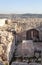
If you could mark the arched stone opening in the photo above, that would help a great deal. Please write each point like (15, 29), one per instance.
(32, 34)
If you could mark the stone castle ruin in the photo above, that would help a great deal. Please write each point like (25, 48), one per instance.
(16, 37)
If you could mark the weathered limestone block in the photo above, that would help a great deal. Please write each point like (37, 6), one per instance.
(19, 63)
(7, 45)
(27, 48)
(10, 50)
(34, 64)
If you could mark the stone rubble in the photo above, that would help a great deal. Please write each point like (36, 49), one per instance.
(23, 63)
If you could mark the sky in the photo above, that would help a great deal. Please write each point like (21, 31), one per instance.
(21, 6)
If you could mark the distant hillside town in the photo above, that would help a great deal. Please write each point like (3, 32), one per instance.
(27, 15)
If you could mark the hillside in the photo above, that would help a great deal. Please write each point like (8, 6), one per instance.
(21, 15)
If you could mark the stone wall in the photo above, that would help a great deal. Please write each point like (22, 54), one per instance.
(7, 45)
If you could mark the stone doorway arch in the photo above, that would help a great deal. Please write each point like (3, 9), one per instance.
(32, 34)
